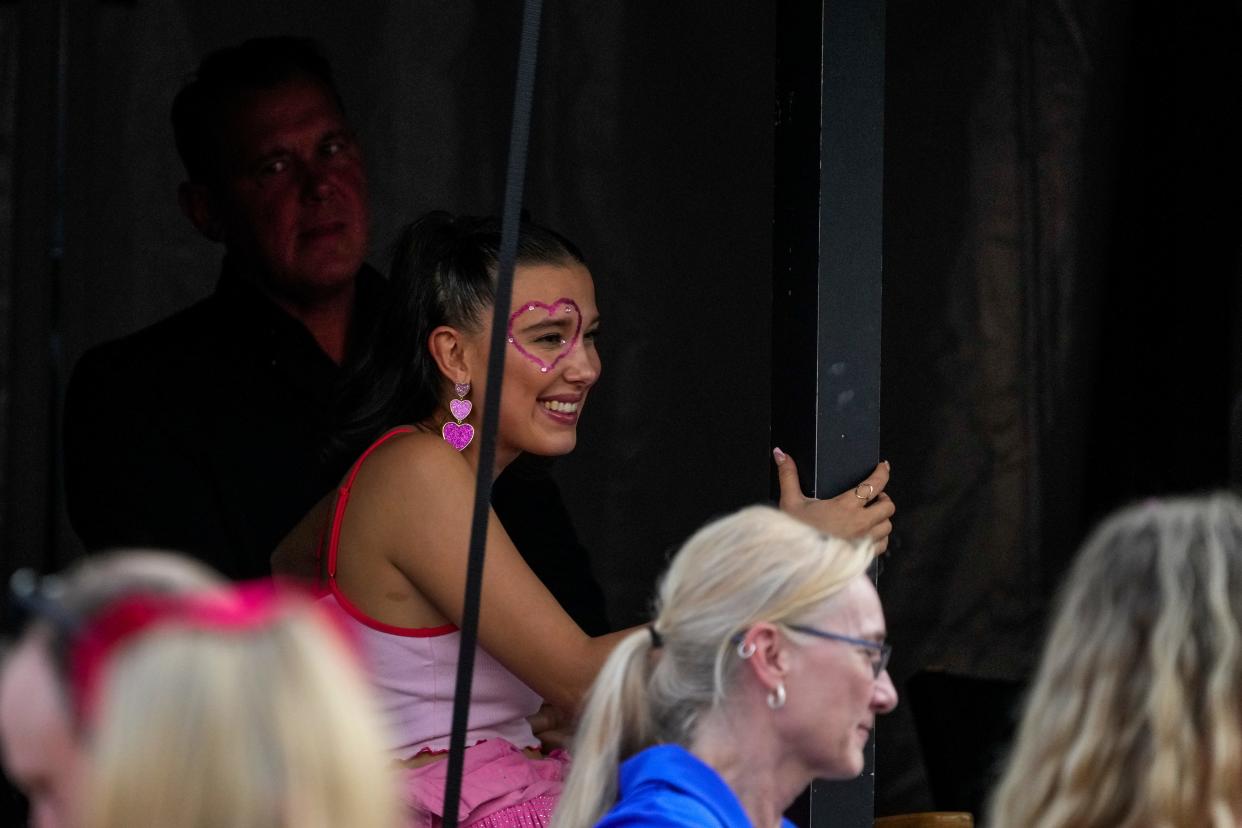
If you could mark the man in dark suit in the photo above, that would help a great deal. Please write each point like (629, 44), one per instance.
(202, 432)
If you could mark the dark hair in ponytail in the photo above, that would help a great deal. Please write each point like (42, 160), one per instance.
(443, 273)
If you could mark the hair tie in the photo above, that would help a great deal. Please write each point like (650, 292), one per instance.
(656, 641)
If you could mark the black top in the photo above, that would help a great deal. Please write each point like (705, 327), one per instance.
(528, 503)
(205, 433)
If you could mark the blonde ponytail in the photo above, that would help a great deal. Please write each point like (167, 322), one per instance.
(756, 564)
(615, 722)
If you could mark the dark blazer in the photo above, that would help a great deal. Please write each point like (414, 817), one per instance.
(204, 432)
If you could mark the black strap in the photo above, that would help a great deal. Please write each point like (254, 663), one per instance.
(519, 135)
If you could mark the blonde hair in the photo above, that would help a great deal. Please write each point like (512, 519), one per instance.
(755, 565)
(250, 728)
(1133, 719)
(98, 580)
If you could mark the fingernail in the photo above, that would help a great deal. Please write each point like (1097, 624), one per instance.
(888, 465)
(778, 456)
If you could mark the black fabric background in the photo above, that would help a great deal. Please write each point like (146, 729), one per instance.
(1061, 247)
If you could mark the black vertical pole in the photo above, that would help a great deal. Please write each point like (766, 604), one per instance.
(510, 218)
(827, 276)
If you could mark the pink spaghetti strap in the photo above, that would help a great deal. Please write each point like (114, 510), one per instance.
(333, 537)
(342, 500)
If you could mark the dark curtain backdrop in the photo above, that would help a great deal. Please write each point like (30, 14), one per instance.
(9, 29)
(1061, 247)
(1060, 328)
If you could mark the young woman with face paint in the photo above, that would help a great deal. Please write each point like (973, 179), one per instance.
(394, 560)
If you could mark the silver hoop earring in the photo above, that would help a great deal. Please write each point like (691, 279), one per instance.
(745, 650)
(776, 698)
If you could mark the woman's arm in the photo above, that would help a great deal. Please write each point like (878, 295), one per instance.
(423, 492)
(297, 555)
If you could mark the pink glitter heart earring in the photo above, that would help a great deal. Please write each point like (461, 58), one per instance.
(459, 434)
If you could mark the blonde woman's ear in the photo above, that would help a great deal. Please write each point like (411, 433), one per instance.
(769, 659)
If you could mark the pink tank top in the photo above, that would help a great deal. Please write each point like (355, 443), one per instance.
(414, 669)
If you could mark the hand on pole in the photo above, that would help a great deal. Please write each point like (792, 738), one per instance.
(863, 511)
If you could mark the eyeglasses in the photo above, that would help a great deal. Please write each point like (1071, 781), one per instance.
(879, 661)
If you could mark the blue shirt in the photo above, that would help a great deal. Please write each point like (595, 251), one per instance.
(668, 787)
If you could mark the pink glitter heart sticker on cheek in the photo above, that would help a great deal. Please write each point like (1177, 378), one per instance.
(461, 408)
(535, 321)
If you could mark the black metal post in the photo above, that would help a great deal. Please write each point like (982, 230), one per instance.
(827, 275)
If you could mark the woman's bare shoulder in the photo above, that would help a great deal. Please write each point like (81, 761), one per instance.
(414, 457)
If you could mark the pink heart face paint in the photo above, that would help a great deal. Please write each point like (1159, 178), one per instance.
(551, 362)
(545, 334)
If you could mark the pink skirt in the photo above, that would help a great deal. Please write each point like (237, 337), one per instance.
(501, 787)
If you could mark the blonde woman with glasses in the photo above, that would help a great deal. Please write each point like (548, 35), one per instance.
(765, 667)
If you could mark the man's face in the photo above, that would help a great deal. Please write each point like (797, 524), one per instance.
(41, 756)
(292, 197)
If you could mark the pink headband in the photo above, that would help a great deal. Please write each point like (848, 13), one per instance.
(237, 609)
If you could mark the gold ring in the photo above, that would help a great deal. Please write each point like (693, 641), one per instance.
(870, 491)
